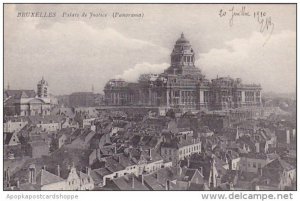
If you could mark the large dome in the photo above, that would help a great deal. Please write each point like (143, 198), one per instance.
(182, 39)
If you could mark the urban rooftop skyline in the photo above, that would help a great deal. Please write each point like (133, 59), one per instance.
(74, 54)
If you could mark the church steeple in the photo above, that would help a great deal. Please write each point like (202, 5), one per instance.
(42, 88)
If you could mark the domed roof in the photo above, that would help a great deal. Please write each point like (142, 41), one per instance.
(182, 39)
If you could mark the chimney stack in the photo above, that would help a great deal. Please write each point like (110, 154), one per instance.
(58, 170)
(257, 147)
(143, 179)
(132, 182)
(88, 171)
(98, 154)
(7, 174)
(32, 174)
(150, 154)
(260, 171)
(231, 186)
(288, 137)
(93, 128)
(179, 170)
(167, 185)
(201, 170)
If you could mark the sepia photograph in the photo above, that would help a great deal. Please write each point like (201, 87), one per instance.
(149, 97)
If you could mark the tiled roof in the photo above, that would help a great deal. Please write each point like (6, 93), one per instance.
(279, 164)
(129, 182)
(7, 138)
(45, 119)
(15, 119)
(44, 177)
(17, 94)
(113, 165)
(254, 155)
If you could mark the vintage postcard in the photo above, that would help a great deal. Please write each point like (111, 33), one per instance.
(149, 97)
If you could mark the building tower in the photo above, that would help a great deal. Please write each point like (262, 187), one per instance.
(42, 89)
(182, 54)
(183, 59)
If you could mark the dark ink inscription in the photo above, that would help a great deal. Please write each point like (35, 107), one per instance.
(266, 25)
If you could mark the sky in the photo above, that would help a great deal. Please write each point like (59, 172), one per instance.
(75, 53)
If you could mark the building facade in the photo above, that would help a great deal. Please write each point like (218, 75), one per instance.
(27, 102)
(183, 86)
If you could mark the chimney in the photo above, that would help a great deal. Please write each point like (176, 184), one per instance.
(98, 154)
(32, 174)
(260, 171)
(150, 154)
(188, 162)
(44, 167)
(288, 137)
(218, 181)
(115, 149)
(18, 184)
(201, 170)
(93, 128)
(7, 175)
(230, 164)
(132, 182)
(167, 185)
(231, 186)
(294, 133)
(58, 170)
(179, 171)
(143, 179)
(257, 147)
(88, 171)
(244, 147)
(156, 175)
(237, 133)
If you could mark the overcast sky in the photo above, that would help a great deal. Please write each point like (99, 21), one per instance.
(75, 53)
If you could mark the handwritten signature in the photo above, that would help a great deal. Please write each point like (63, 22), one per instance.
(261, 17)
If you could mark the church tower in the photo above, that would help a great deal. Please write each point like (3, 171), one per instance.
(42, 88)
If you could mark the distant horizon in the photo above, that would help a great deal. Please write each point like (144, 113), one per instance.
(74, 54)
(97, 92)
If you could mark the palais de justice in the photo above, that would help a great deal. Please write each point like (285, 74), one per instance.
(183, 86)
